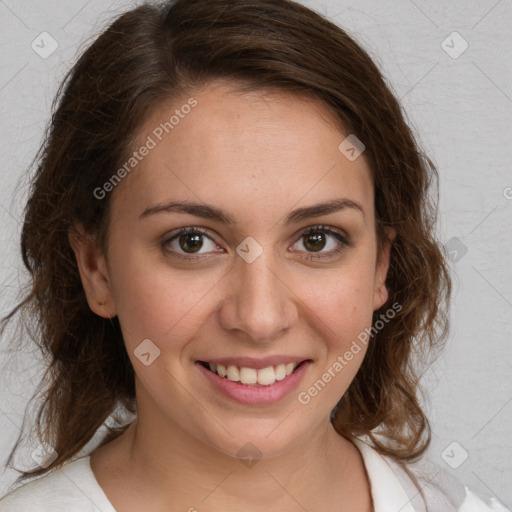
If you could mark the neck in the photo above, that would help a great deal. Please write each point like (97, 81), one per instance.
(171, 466)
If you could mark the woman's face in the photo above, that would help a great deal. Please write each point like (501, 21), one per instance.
(246, 282)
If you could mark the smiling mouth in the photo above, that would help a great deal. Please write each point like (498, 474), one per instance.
(252, 376)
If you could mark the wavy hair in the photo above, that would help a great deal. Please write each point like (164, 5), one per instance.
(148, 56)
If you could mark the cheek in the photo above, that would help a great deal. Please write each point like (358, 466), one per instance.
(341, 306)
(342, 298)
(342, 316)
(156, 302)
(163, 303)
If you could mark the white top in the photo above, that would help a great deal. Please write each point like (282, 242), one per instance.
(74, 488)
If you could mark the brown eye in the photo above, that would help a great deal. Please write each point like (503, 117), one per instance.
(190, 242)
(315, 241)
(317, 238)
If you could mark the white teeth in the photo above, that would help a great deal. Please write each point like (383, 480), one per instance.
(221, 370)
(290, 367)
(251, 376)
(266, 376)
(280, 371)
(248, 375)
(233, 373)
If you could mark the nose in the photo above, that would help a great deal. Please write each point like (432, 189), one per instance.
(259, 302)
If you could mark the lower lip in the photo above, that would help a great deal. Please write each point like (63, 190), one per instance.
(254, 395)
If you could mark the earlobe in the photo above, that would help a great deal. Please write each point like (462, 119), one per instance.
(381, 293)
(93, 272)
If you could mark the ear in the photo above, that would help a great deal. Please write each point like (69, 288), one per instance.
(380, 294)
(93, 271)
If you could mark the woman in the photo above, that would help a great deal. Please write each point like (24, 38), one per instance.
(230, 237)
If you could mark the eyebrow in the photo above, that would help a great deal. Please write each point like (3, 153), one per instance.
(211, 212)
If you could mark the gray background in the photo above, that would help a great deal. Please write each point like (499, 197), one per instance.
(460, 104)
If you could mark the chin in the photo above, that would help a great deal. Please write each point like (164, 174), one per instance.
(267, 440)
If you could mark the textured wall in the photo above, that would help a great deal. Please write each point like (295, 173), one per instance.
(447, 62)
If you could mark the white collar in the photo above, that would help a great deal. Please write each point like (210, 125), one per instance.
(388, 493)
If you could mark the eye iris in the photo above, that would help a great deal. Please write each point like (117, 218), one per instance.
(318, 241)
(191, 242)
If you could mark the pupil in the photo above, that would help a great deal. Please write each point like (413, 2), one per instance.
(319, 241)
(191, 242)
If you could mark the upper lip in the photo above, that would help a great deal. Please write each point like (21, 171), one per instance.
(251, 362)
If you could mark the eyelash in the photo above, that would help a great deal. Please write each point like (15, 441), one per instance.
(344, 242)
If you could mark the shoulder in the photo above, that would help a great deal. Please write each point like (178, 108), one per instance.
(71, 487)
(397, 487)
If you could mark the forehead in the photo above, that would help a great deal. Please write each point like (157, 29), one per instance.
(265, 149)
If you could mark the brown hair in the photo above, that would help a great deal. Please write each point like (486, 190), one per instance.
(153, 54)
